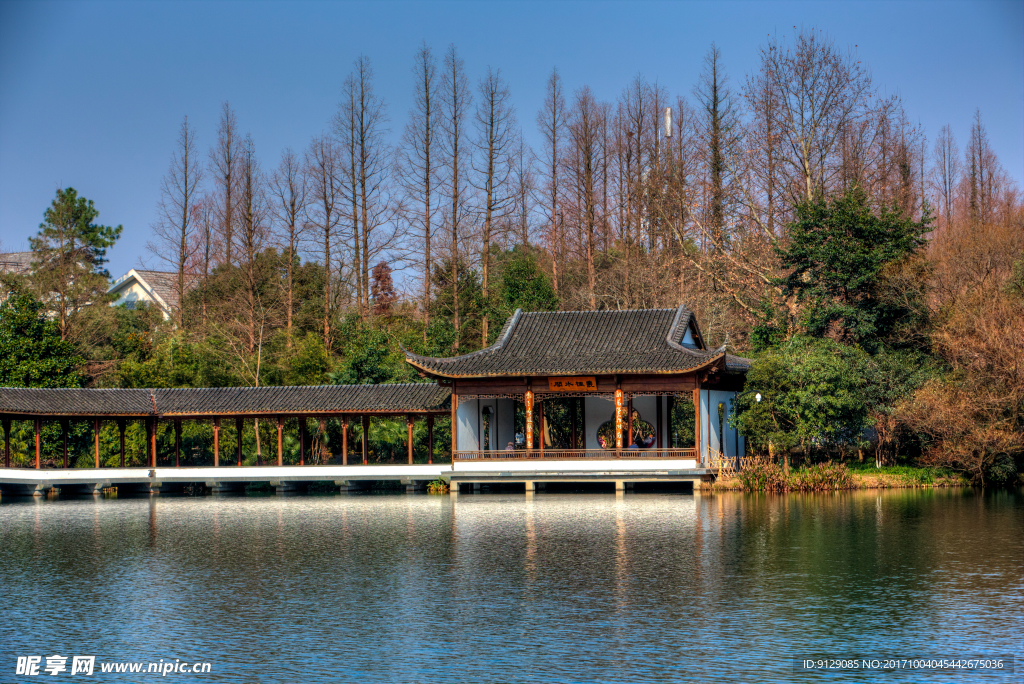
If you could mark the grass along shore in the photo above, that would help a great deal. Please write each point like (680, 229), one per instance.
(761, 475)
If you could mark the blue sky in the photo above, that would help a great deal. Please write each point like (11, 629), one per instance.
(92, 93)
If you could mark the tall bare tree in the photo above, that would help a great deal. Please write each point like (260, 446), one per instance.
(253, 234)
(720, 133)
(820, 89)
(418, 160)
(495, 137)
(175, 242)
(456, 100)
(224, 162)
(551, 122)
(362, 119)
(288, 189)
(585, 133)
(323, 212)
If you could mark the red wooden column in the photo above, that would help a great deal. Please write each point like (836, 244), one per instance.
(430, 438)
(238, 436)
(280, 440)
(366, 433)
(408, 425)
(618, 418)
(344, 440)
(152, 441)
(96, 440)
(39, 429)
(64, 438)
(216, 442)
(528, 402)
(7, 442)
(120, 428)
(302, 440)
(177, 442)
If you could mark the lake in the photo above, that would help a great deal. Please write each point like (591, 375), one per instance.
(509, 588)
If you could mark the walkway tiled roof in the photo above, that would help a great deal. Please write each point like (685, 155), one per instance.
(220, 401)
(585, 343)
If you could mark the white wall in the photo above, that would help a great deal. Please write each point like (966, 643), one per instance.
(468, 416)
(505, 431)
(714, 436)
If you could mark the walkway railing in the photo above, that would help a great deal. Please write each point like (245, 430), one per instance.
(562, 454)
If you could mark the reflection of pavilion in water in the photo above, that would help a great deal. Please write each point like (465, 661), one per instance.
(594, 384)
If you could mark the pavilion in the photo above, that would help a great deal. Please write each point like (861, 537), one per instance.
(617, 377)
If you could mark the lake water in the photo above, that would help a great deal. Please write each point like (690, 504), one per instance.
(505, 588)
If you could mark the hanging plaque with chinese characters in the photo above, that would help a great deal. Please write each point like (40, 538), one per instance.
(572, 384)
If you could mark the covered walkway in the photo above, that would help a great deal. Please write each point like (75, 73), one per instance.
(348, 403)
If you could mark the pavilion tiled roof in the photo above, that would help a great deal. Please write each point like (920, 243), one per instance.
(586, 343)
(213, 401)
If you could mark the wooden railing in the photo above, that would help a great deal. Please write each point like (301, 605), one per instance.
(562, 454)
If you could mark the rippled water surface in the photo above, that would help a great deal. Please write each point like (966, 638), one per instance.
(505, 588)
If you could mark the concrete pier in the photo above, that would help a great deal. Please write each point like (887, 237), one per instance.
(534, 475)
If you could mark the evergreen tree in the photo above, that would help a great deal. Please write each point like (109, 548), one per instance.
(69, 253)
(32, 353)
(839, 256)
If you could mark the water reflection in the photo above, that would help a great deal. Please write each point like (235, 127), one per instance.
(644, 587)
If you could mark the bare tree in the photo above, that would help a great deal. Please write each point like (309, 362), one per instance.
(223, 161)
(551, 122)
(495, 137)
(363, 119)
(323, 171)
(418, 161)
(456, 100)
(720, 133)
(288, 188)
(584, 128)
(253, 233)
(819, 91)
(174, 230)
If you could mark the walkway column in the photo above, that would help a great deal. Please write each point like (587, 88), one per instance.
(430, 438)
(152, 440)
(408, 424)
(280, 440)
(120, 427)
(302, 440)
(7, 442)
(344, 440)
(39, 429)
(573, 417)
(96, 440)
(528, 402)
(366, 432)
(216, 442)
(238, 436)
(177, 442)
(64, 438)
